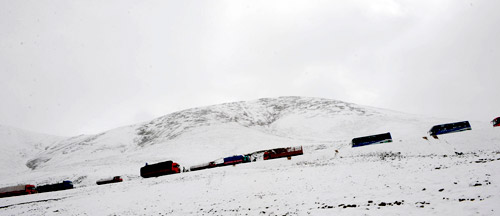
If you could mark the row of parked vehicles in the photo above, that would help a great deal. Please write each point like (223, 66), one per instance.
(31, 189)
(434, 132)
(155, 170)
(170, 167)
(24, 189)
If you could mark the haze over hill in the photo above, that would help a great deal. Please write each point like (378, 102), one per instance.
(204, 134)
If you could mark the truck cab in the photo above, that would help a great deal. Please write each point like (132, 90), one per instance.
(176, 167)
(30, 189)
(496, 122)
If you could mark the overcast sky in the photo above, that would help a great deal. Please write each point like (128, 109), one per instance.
(73, 67)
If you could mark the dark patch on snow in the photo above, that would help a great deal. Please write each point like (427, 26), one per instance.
(34, 163)
(261, 114)
(44, 200)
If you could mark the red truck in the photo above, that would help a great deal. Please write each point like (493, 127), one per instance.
(109, 180)
(283, 152)
(159, 169)
(17, 190)
(208, 165)
(496, 122)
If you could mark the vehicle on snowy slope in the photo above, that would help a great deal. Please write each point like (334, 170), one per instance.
(17, 190)
(236, 159)
(65, 185)
(208, 165)
(283, 152)
(496, 122)
(109, 180)
(449, 128)
(373, 139)
(159, 169)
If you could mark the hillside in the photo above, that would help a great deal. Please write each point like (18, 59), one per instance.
(203, 134)
(408, 173)
(17, 146)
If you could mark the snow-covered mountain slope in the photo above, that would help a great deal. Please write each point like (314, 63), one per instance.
(203, 134)
(321, 182)
(372, 180)
(17, 146)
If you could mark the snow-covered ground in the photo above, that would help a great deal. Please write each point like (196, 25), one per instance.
(456, 174)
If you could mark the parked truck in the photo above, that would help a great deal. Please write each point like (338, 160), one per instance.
(109, 180)
(208, 165)
(17, 190)
(159, 169)
(449, 128)
(372, 139)
(236, 159)
(65, 185)
(283, 152)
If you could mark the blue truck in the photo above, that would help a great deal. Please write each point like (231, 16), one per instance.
(236, 159)
(373, 139)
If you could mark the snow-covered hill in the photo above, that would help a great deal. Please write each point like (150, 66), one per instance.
(17, 146)
(411, 170)
(198, 135)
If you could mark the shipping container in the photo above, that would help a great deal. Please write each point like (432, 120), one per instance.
(373, 139)
(449, 128)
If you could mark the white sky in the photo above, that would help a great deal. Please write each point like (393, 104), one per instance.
(69, 67)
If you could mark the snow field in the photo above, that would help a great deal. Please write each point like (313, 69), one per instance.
(316, 183)
(456, 174)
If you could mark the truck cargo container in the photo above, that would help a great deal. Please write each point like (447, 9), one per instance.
(65, 185)
(373, 139)
(159, 169)
(449, 128)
